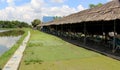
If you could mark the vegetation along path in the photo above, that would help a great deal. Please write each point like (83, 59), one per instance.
(14, 61)
(47, 52)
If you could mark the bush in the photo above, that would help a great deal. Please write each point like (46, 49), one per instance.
(28, 61)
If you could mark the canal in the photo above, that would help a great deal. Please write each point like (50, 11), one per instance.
(8, 38)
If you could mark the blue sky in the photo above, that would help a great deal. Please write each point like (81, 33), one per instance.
(3, 3)
(26, 10)
(71, 3)
(85, 3)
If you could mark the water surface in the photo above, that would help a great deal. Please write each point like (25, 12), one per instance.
(6, 42)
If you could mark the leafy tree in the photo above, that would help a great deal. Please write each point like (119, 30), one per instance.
(36, 22)
(56, 17)
(13, 24)
(99, 4)
(93, 5)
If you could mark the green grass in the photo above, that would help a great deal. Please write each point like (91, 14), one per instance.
(47, 52)
(6, 56)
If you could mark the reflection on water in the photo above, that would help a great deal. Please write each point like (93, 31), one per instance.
(12, 33)
(6, 42)
(3, 49)
(3, 30)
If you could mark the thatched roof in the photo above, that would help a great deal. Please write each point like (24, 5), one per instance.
(106, 12)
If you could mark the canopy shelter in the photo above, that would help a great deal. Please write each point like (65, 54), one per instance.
(95, 21)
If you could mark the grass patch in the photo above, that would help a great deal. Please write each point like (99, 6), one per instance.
(28, 61)
(6, 56)
(47, 52)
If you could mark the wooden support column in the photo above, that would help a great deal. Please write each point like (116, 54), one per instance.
(114, 42)
(61, 31)
(70, 33)
(65, 29)
(56, 30)
(85, 33)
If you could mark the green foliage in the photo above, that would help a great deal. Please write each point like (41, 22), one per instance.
(93, 5)
(99, 4)
(56, 17)
(29, 61)
(13, 24)
(12, 33)
(36, 22)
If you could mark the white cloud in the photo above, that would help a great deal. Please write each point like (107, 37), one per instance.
(26, 13)
(35, 9)
(61, 11)
(23, 13)
(80, 7)
(10, 2)
(37, 3)
(58, 11)
(109, 0)
(58, 1)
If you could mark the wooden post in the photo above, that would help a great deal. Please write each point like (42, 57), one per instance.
(85, 34)
(114, 43)
(56, 30)
(103, 34)
(70, 33)
(61, 31)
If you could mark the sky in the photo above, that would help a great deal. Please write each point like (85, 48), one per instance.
(28, 10)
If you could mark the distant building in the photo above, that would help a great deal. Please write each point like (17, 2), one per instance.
(48, 18)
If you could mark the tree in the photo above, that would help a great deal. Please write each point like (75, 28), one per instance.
(56, 17)
(36, 22)
(13, 24)
(93, 5)
(99, 4)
